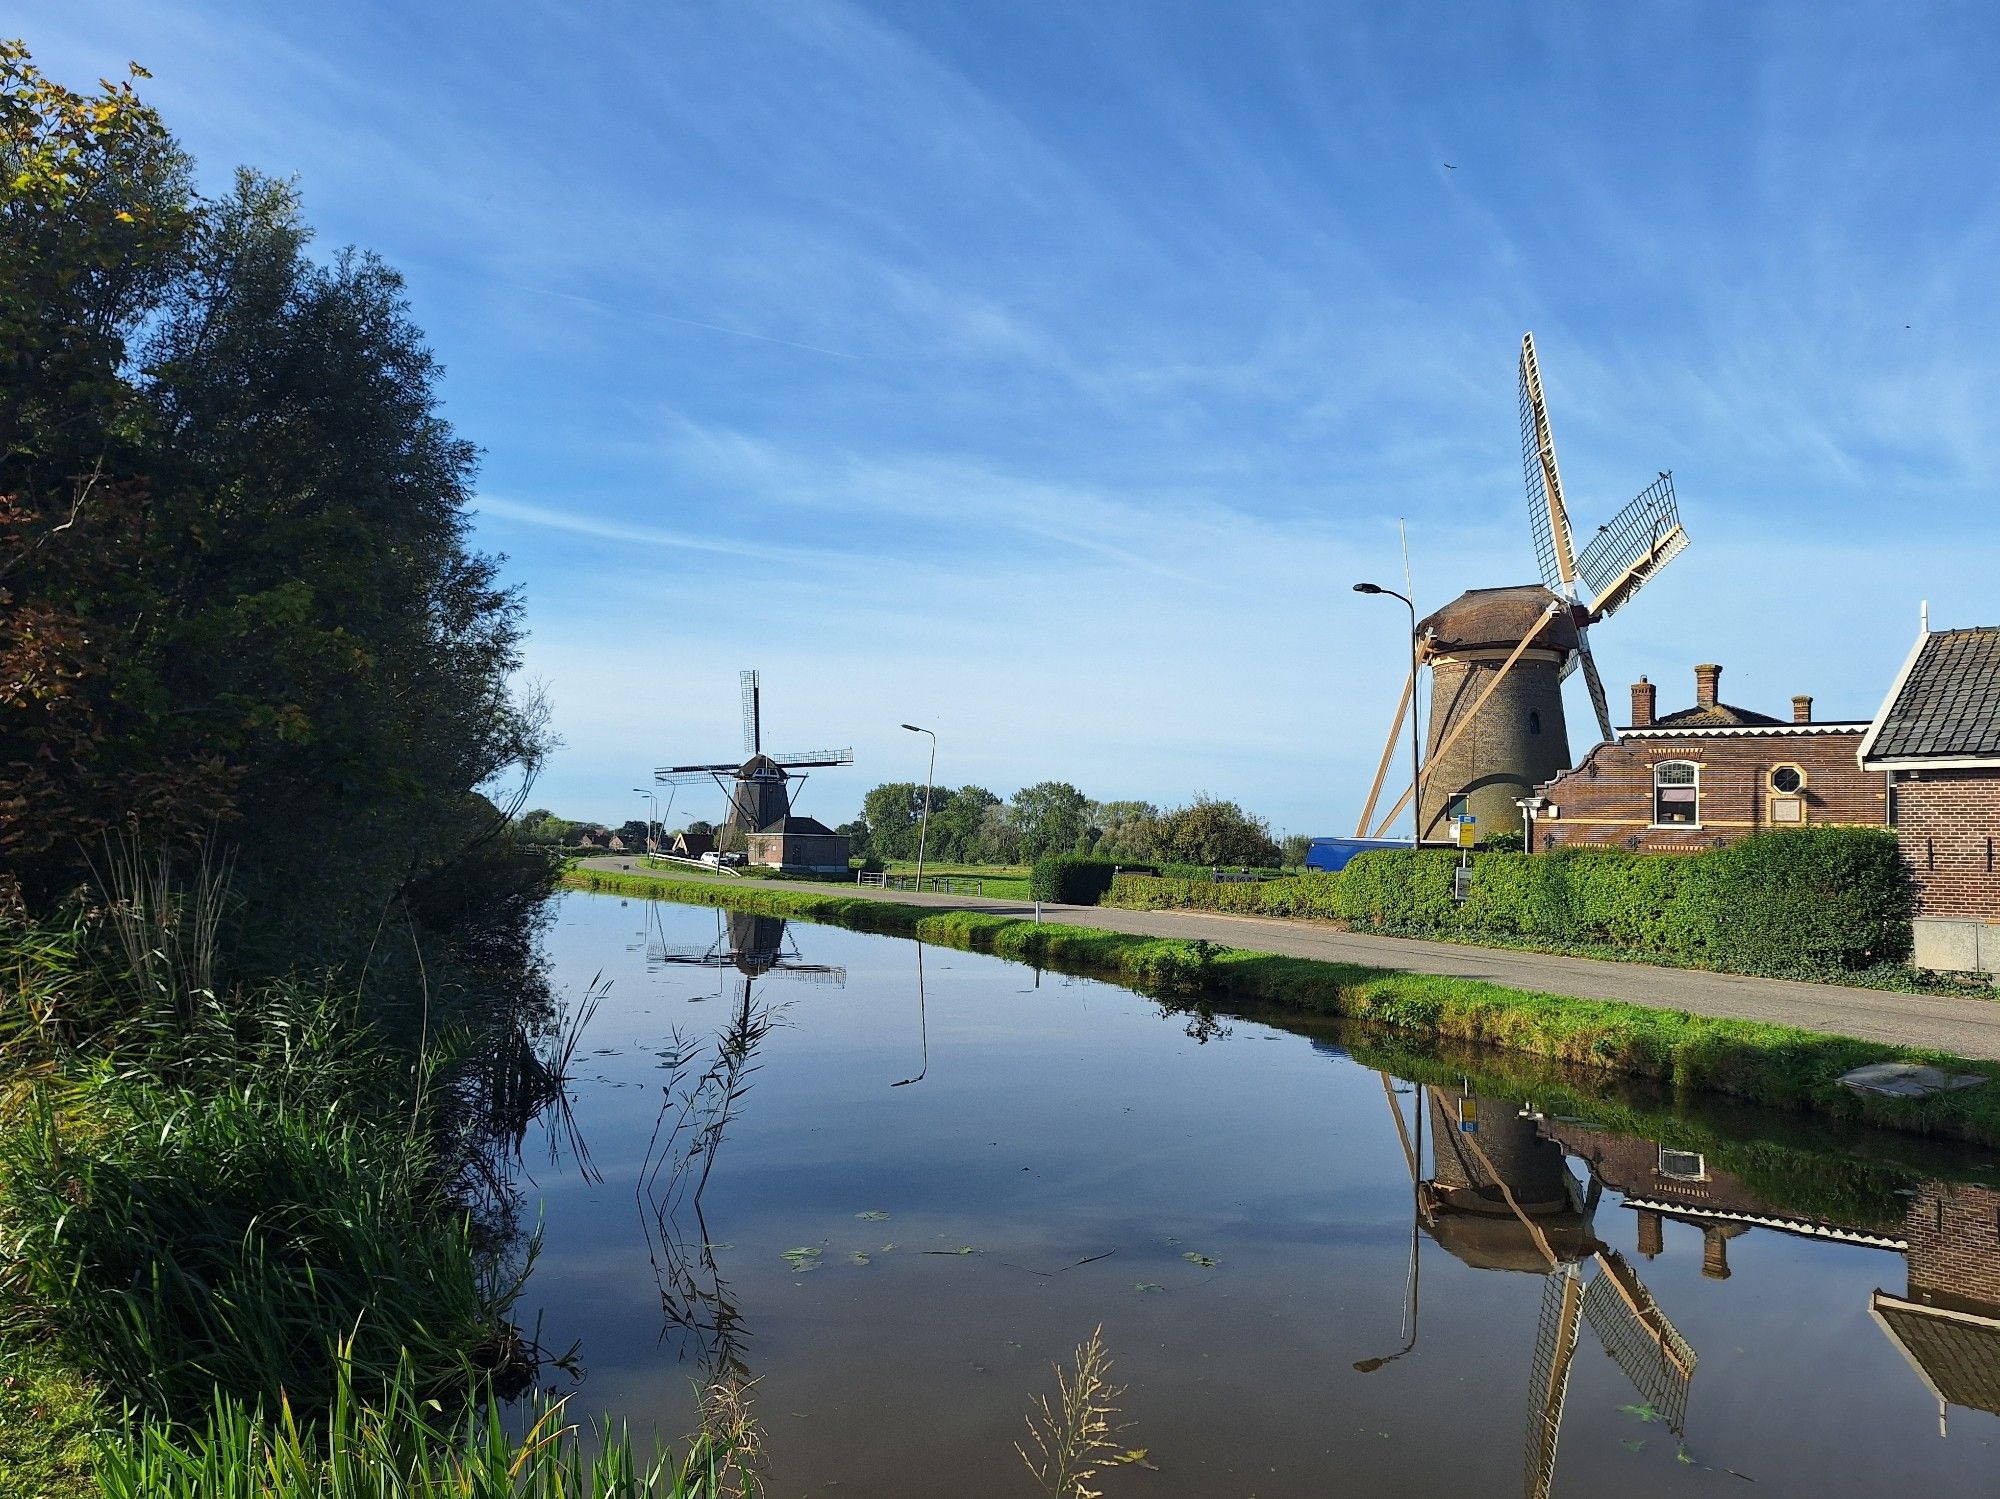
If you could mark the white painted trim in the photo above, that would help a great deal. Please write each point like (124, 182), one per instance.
(1863, 750)
(1937, 762)
(1696, 731)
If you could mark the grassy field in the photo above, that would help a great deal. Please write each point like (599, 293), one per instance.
(1774, 1065)
(1005, 881)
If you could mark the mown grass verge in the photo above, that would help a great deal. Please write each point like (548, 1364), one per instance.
(1777, 1066)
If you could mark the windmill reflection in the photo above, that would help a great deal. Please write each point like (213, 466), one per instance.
(1500, 1196)
(707, 1081)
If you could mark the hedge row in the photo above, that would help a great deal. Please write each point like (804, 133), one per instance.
(1805, 901)
(1070, 879)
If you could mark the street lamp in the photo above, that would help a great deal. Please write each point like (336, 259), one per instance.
(653, 830)
(1416, 791)
(924, 829)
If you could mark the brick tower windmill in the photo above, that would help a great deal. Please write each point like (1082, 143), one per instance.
(1498, 656)
(760, 788)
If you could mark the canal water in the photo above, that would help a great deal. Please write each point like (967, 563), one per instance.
(890, 1186)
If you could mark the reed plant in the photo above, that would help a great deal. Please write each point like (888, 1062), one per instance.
(397, 1442)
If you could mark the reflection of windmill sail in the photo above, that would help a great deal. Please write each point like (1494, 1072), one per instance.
(1647, 1348)
(1548, 1374)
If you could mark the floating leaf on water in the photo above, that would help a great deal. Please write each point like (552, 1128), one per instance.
(962, 1249)
(1200, 1259)
(1147, 1285)
(1136, 1456)
(873, 1215)
(1681, 1453)
(802, 1259)
(1647, 1412)
(1631, 1446)
(857, 1258)
(888, 1248)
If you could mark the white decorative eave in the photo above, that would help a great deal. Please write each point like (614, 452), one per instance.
(1742, 731)
(1933, 762)
(1865, 749)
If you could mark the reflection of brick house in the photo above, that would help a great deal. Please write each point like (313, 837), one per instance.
(1707, 775)
(1661, 1184)
(1948, 1325)
(1937, 737)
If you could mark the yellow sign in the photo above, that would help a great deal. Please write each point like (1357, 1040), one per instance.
(1468, 832)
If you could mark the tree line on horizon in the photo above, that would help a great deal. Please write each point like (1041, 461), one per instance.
(972, 825)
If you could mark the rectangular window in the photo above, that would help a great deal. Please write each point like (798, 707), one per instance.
(1683, 1165)
(1676, 794)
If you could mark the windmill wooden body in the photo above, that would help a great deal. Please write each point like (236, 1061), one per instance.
(759, 788)
(1499, 656)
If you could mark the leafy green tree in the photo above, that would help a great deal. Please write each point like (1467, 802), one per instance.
(956, 821)
(236, 597)
(1215, 832)
(892, 812)
(1125, 830)
(1294, 847)
(1049, 816)
(999, 840)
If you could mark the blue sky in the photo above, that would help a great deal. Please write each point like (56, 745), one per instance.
(1046, 372)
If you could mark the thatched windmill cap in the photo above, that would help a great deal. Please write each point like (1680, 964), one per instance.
(1497, 619)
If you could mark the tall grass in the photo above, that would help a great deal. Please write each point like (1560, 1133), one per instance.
(400, 1444)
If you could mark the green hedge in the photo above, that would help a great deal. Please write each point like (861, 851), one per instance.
(1825, 900)
(1070, 879)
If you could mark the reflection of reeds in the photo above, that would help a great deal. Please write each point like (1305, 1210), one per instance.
(1072, 1435)
(695, 1110)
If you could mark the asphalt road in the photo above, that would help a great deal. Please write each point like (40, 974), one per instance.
(1965, 1027)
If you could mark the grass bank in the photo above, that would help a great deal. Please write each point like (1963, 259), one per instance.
(1772, 1065)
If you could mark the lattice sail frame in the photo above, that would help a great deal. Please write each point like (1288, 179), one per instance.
(1640, 540)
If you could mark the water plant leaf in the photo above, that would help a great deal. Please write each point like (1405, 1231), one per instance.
(802, 1259)
(1631, 1446)
(1681, 1453)
(1147, 1285)
(873, 1215)
(1647, 1412)
(1135, 1456)
(1202, 1260)
(962, 1249)
(857, 1258)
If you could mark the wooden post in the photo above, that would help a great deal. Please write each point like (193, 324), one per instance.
(1403, 705)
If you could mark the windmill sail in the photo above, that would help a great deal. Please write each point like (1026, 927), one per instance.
(1548, 1374)
(1546, 513)
(753, 727)
(1643, 538)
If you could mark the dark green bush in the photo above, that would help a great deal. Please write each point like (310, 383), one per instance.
(1810, 901)
(1070, 879)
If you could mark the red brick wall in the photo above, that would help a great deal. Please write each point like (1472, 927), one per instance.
(1608, 799)
(1948, 824)
(1953, 1230)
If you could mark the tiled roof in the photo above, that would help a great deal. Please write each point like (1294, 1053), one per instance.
(1960, 1354)
(798, 827)
(1714, 716)
(1949, 703)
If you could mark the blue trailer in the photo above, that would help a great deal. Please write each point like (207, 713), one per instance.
(1331, 854)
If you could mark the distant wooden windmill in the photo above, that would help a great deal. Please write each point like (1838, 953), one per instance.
(759, 787)
(1498, 656)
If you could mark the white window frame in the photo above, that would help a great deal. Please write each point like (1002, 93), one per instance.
(1678, 1170)
(1658, 766)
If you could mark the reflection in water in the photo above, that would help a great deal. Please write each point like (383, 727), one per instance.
(1501, 1196)
(698, 1101)
(1513, 1239)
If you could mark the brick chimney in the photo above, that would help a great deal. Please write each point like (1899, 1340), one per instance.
(1802, 708)
(1645, 700)
(1651, 1240)
(1706, 678)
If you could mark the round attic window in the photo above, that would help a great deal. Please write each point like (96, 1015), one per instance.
(1787, 780)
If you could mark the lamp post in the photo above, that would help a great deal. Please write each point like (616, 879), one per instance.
(654, 798)
(1416, 785)
(924, 828)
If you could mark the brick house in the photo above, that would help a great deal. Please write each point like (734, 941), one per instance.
(1948, 1325)
(1706, 775)
(1937, 739)
(803, 843)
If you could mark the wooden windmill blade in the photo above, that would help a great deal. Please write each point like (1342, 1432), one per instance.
(753, 716)
(1640, 540)
(1548, 1375)
(1547, 514)
(1598, 703)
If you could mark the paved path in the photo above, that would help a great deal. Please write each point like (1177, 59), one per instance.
(1965, 1027)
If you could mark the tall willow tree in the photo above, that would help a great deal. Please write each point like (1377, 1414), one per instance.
(239, 601)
